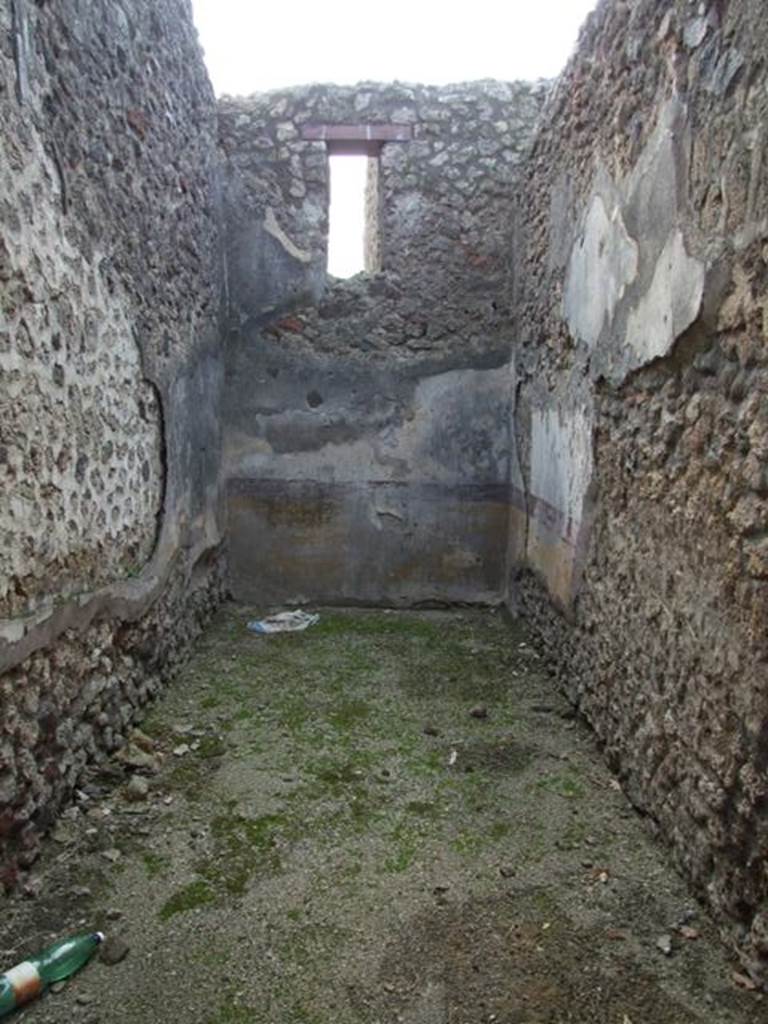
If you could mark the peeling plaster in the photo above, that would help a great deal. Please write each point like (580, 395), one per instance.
(670, 305)
(603, 263)
(273, 228)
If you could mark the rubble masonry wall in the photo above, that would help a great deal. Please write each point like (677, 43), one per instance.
(641, 371)
(110, 285)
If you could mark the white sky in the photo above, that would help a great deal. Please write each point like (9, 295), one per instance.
(252, 46)
(346, 215)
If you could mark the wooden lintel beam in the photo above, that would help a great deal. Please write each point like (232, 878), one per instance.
(356, 132)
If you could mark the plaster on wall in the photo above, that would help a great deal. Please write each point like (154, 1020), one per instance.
(670, 305)
(602, 264)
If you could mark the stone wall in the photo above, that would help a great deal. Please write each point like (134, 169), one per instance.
(110, 284)
(439, 192)
(642, 420)
(367, 445)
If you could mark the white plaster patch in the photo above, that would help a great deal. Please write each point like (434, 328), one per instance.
(671, 303)
(561, 465)
(273, 228)
(602, 264)
(11, 630)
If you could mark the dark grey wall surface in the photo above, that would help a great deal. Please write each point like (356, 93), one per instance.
(352, 481)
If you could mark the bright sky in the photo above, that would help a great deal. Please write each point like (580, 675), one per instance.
(252, 46)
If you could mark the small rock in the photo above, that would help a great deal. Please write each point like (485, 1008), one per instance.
(80, 891)
(137, 789)
(33, 887)
(664, 944)
(113, 855)
(92, 791)
(58, 986)
(688, 933)
(137, 809)
(134, 756)
(83, 998)
(181, 750)
(64, 833)
(113, 950)
(143, 741)
(743, 981)
(430, 730)
(694, 32)
(113, 914)
(507, 871)
(479, 711)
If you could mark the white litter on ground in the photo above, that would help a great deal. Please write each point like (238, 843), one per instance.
(284, 622)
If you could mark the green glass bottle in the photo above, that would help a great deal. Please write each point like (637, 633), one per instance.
(57, 962)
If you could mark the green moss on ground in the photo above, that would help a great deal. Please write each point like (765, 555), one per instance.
(340, 840)
(342, 708)
(189, 897)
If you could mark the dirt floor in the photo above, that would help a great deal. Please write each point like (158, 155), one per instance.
(391, 817)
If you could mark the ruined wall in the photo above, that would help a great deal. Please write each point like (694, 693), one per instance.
(379, 445)
(438, 192)
(642, 418)
(367, 432)
(110, 375)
